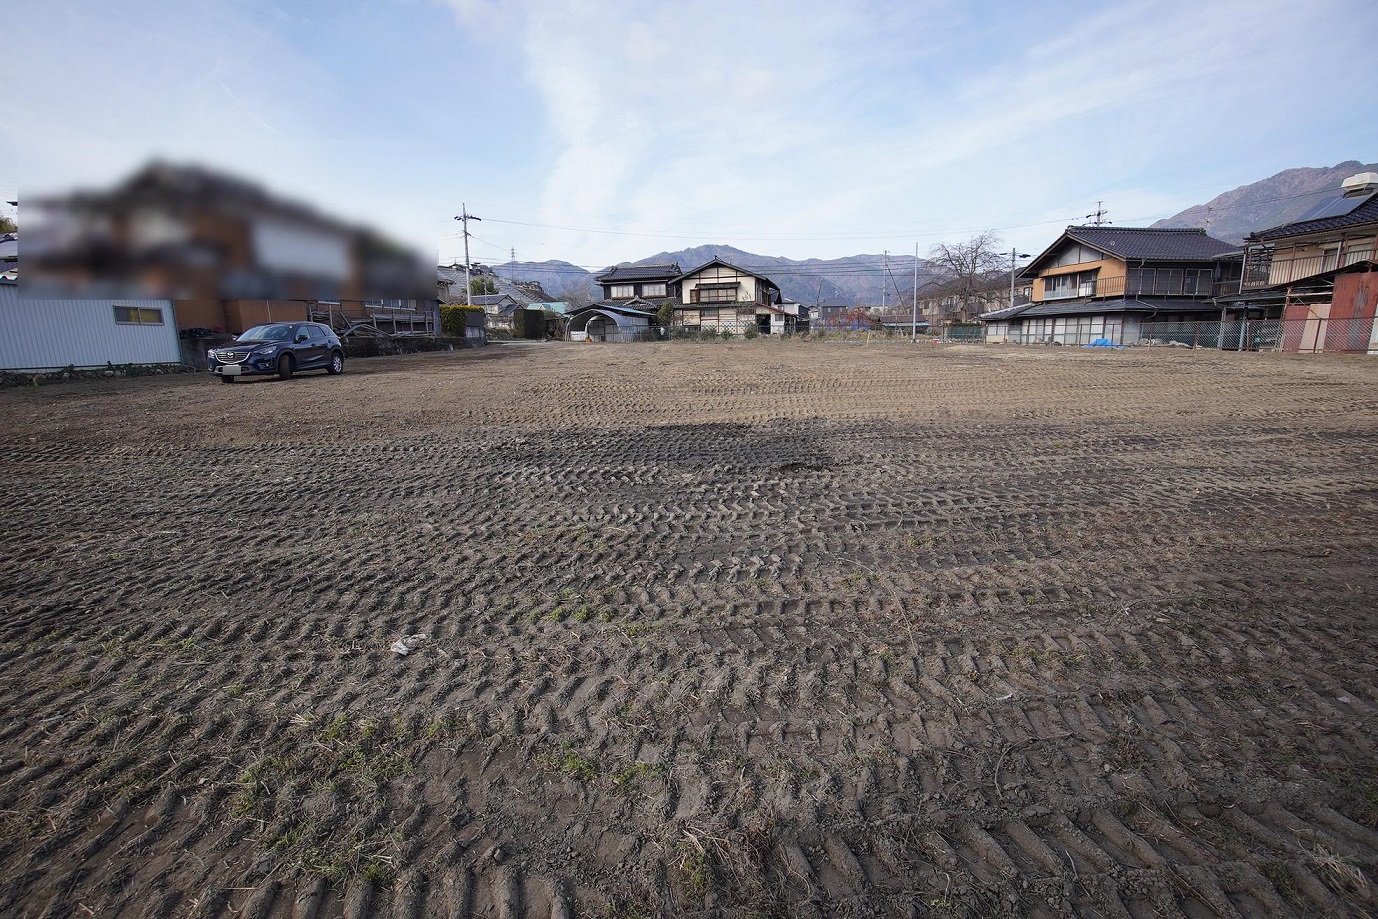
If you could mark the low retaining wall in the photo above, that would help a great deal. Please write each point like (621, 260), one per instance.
(9, 378)
(410, 344)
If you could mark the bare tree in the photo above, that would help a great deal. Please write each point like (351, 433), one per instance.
(972, 271)
(576, 297)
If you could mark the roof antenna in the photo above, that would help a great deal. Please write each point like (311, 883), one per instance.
(1097, 217)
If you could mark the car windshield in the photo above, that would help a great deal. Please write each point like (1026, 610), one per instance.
(278, 331)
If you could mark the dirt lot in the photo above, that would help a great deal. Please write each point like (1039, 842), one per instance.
(711, 629)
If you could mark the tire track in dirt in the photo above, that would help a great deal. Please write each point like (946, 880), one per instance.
(802, 640)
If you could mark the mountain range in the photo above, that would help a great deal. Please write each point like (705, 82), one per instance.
(851, 279)
(1270, 202)
(857, 279)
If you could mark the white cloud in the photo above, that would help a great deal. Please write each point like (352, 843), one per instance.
(797, 128)
(821, 119)
(661, 112)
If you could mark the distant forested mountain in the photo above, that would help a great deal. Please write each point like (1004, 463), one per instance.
(1269, 202)
(852, 279)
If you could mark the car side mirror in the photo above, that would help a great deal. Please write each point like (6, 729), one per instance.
(300, 338)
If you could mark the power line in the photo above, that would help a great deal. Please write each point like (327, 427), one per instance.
(841, 272)
(883, 234)
(1097, 215)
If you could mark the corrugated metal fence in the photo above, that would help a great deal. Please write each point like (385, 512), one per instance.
(53, 334)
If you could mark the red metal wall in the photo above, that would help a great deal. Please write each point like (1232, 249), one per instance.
(1355, 295)
(1351, 312)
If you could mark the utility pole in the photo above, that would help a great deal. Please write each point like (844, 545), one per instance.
(1014, 254)
(885, 276)
(464, 218)
(1097, 217)
(914, 316)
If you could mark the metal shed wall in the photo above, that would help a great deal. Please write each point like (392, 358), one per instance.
(52, 334)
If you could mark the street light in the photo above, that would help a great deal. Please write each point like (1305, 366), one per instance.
(1015, 255)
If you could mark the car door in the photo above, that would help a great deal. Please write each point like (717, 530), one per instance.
(311, 353)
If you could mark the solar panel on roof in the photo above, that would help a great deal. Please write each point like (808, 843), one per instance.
(1333, 207)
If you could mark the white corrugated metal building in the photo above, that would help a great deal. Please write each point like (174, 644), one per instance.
(52, 334)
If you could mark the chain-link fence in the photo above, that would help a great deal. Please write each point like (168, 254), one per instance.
(1314, 334)
(746, 330)
(1309, 335)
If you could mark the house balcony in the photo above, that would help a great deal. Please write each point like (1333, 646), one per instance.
(1271, 272)
(1181, 283)
(1148, 282)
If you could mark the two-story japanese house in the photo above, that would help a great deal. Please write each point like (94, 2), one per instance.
(1101, 284)
(652, 283)
(720, 295)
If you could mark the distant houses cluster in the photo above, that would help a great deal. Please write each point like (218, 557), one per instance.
(1309, 285)
(715, 297)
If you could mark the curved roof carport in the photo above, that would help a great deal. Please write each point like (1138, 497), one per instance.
(603, 322)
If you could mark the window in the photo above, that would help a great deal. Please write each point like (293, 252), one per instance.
(1064, 286)
(314, 332)
(622, 291)
(652, 290)
(709, 315)
(139, 315)
(1170, 281)
(1036, 330)
(715, 293)
(689, 317)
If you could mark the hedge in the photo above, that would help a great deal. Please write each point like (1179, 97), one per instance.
(454, 319)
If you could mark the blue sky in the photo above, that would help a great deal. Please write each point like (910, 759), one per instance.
(598, 131)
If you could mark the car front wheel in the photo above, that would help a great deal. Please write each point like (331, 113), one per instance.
(336, 366)
(285, 367)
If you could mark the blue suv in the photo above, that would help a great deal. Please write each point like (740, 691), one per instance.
(278, 349)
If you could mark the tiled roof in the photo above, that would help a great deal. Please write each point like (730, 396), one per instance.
(523, 292)
(1363, 214)
(1003, 313)
(1156, 244)
(491, 299)
(718, 261)
(638, 273)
